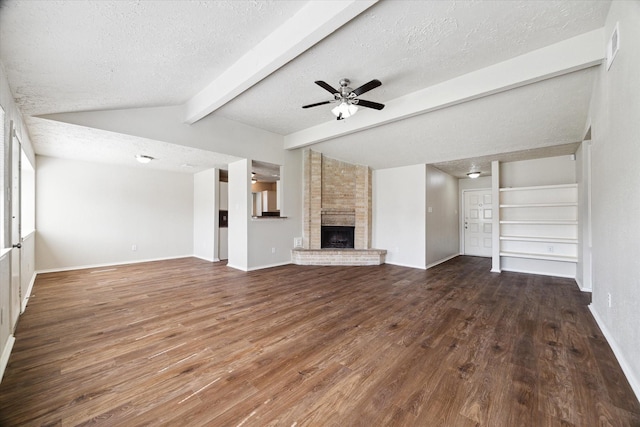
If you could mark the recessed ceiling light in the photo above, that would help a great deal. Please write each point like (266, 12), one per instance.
(473, 175)
(142, 158)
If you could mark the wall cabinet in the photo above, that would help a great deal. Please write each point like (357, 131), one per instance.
(540, 223)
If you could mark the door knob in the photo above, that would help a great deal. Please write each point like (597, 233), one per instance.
(17, 245)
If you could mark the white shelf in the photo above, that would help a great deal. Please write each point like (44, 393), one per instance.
(541, 221)
(539, 239)
(540, 187)
(540, 205)
(547, 257)
(539, 225)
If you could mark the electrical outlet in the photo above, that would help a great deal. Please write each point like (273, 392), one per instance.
(550, 249)
(134, 247)
(273, 250)
(297, 242)
(609, 299)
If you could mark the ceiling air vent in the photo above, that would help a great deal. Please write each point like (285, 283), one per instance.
(613, 46)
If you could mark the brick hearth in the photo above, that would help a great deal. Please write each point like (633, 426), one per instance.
(338, 256)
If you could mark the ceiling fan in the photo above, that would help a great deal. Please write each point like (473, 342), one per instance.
(348, 98)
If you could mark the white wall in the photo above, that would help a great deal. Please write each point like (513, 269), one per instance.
(615, 132)
(545, 171)
(90, 214)
(442, 229)
(473, 184)
(266, 242)
(205, 215)
(399, 214)
(239, 213)
(271, 239)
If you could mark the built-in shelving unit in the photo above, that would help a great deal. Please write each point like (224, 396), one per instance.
(540, 224)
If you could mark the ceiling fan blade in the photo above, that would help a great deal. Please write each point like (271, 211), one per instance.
(326, 86)
(316, 104)
(370, 104)
(366, 87)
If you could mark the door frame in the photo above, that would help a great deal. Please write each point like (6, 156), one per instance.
(462, 211)
(15, 237)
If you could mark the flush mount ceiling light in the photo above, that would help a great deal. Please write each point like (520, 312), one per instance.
(473, 175)
(141, 158)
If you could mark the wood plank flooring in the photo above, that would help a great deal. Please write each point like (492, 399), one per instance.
(190, 343)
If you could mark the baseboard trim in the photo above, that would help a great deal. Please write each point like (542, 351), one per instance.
(114, 264)
(581, 286)
(433, 264)
(25, 300)
(6, 352)
(626, 368)
(539, 273)
(237, 267)
(419, 267)
(262, 267)
(207, 259)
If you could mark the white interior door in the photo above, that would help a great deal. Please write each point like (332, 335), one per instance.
(478, 214)
(16, 243)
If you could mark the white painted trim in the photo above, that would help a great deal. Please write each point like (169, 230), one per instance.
(496, 263)
(537, 273)
(262, 267)
(443, 260)
(236, 267)
(626, 368)
(25, 300)
(581, 286)
(6, 352)
(115, 264)
(28, 235)
(207, 259)
(4, 252)
(421, 267)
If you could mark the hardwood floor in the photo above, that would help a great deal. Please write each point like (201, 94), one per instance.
(190, 343)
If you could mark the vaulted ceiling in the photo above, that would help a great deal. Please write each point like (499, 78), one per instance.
(463, 81)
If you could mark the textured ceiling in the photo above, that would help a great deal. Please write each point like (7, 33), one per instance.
(534, 116)
(409, 45)
(66, 56)
(70, 55)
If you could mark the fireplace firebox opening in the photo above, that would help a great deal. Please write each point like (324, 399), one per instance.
(337, 237)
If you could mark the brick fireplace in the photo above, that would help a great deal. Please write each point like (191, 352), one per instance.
(336, 194)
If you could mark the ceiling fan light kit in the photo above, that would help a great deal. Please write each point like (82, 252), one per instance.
(348, 98)
(344, 110)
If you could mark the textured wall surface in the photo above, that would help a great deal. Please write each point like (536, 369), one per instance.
(616, 200)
